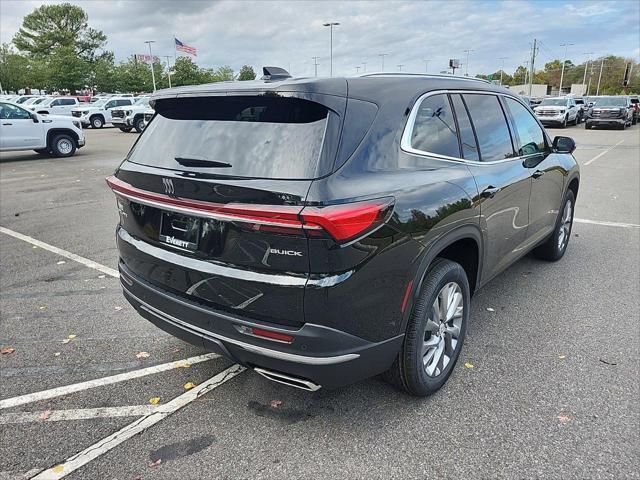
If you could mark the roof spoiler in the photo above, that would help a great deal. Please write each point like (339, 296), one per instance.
(274, 73)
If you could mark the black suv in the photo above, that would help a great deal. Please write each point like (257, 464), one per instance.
(616, 111)
(321, 231)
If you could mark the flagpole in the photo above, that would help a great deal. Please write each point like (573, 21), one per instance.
(175, 51)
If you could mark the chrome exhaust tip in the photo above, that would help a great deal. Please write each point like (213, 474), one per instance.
(295, 382)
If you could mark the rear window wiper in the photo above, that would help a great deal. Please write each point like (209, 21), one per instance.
(201, 162)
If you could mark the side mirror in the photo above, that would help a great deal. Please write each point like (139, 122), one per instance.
(34, 117)
(564, 144)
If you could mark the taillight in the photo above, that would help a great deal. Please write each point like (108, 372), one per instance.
(350, 220)
(341, 222)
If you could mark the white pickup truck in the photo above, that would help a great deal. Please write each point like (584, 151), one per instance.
(98, 113)
(55, 106)
(128, 118)
(21, 129)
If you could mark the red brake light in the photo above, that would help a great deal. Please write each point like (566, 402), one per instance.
(349, 220)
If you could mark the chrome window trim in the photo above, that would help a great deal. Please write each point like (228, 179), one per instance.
(405, 142)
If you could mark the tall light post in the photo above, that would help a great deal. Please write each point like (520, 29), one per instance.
(168, 69)
(600, 77)
(315, 64)
(153, 75)
(357, 69)
(382, 55)
(364, 67)
(426, 65)
(564, 60)
(586, 67)
(466, 64)
(331, 25)
(502, 68)
(400, 65)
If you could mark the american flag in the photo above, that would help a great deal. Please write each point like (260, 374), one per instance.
(185, 48)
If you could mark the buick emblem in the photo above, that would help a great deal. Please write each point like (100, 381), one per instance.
(168, 186)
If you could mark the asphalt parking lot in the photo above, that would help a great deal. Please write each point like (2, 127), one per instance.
(547, 385)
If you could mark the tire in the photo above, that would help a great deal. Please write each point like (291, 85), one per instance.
(138, 124)
(634, 121)
(125, 129)
(564, 123)
(96, 121)
(425, 337)
(587, 125)
(42, 151)
(63, 145)
(555, 246)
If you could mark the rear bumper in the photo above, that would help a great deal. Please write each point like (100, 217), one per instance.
(323, 355)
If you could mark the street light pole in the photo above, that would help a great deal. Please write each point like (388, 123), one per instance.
(331, 25)
(502, 68)
(586, 67)
(466, 64)
(383, 55)
(426, 65)
(153, 75)
(600, 77)
(564, 60)
(364, 67)
(400, 65)
(168, 69)
(315, 64)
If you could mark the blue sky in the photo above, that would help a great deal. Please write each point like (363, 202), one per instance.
(290, 33)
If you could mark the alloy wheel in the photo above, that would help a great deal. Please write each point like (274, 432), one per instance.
(565, 226)
(442, 333)
(65, 146)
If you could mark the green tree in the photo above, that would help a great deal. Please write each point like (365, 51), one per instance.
(186, 72)
(51, 27)
(247, 73)
(14, 69)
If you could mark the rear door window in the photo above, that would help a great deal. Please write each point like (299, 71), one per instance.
(467, 137)
(434, 128)
(491, 127)
(254, 136)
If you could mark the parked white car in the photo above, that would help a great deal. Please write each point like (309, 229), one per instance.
(34, 101)
(22, 129)
(23, 98)
(148, 115)
(558, 111)
(132, 116)
(56, 106)
(98, 113)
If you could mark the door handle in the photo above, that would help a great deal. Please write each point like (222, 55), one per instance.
(489, 192)
(537, 174)
(7, 123)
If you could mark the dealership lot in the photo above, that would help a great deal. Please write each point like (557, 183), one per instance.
(546, 387)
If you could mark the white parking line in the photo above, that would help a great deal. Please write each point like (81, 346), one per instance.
(76, 414)
(71, 256)
(99, 382)
(589, 162)
(159, 413)
(606, 224)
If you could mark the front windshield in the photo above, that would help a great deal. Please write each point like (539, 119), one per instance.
(39, 100)
(558, 102)
(611, 102)
(142, 102)
(100, 102)
(31, 101)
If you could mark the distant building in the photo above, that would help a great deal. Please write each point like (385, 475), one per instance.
(578, 89)
(537, 90)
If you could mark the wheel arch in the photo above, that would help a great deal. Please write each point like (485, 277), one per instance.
(56, 131)
(463, 245)
(574, 185)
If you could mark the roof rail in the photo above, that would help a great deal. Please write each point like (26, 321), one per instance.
(435, 75)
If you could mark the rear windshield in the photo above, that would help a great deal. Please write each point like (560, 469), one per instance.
(253, 136)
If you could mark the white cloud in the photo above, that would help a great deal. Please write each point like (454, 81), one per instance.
(289, 33)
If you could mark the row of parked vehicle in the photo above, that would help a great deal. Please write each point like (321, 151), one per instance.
(617, 111)
(123, 111)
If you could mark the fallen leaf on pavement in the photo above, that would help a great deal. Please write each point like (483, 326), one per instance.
(101, 276)
(56, 354)
(275, 403)
(72, 336)
(58, 469)
(468, 365)
(562, 356)
(42, 307)
(189, 385)
(118, 308)
(7, 350)
(489, 309)
(143, 355)
(564, 418)
(45, 415)
(156, 463)
(61, 262)
(154, 400)
(66, 340)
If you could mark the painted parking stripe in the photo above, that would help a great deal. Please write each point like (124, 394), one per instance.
(76, 414)
(71, 256)
(606, 224)
(99, 382)
(159, 413)
(589, 162)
